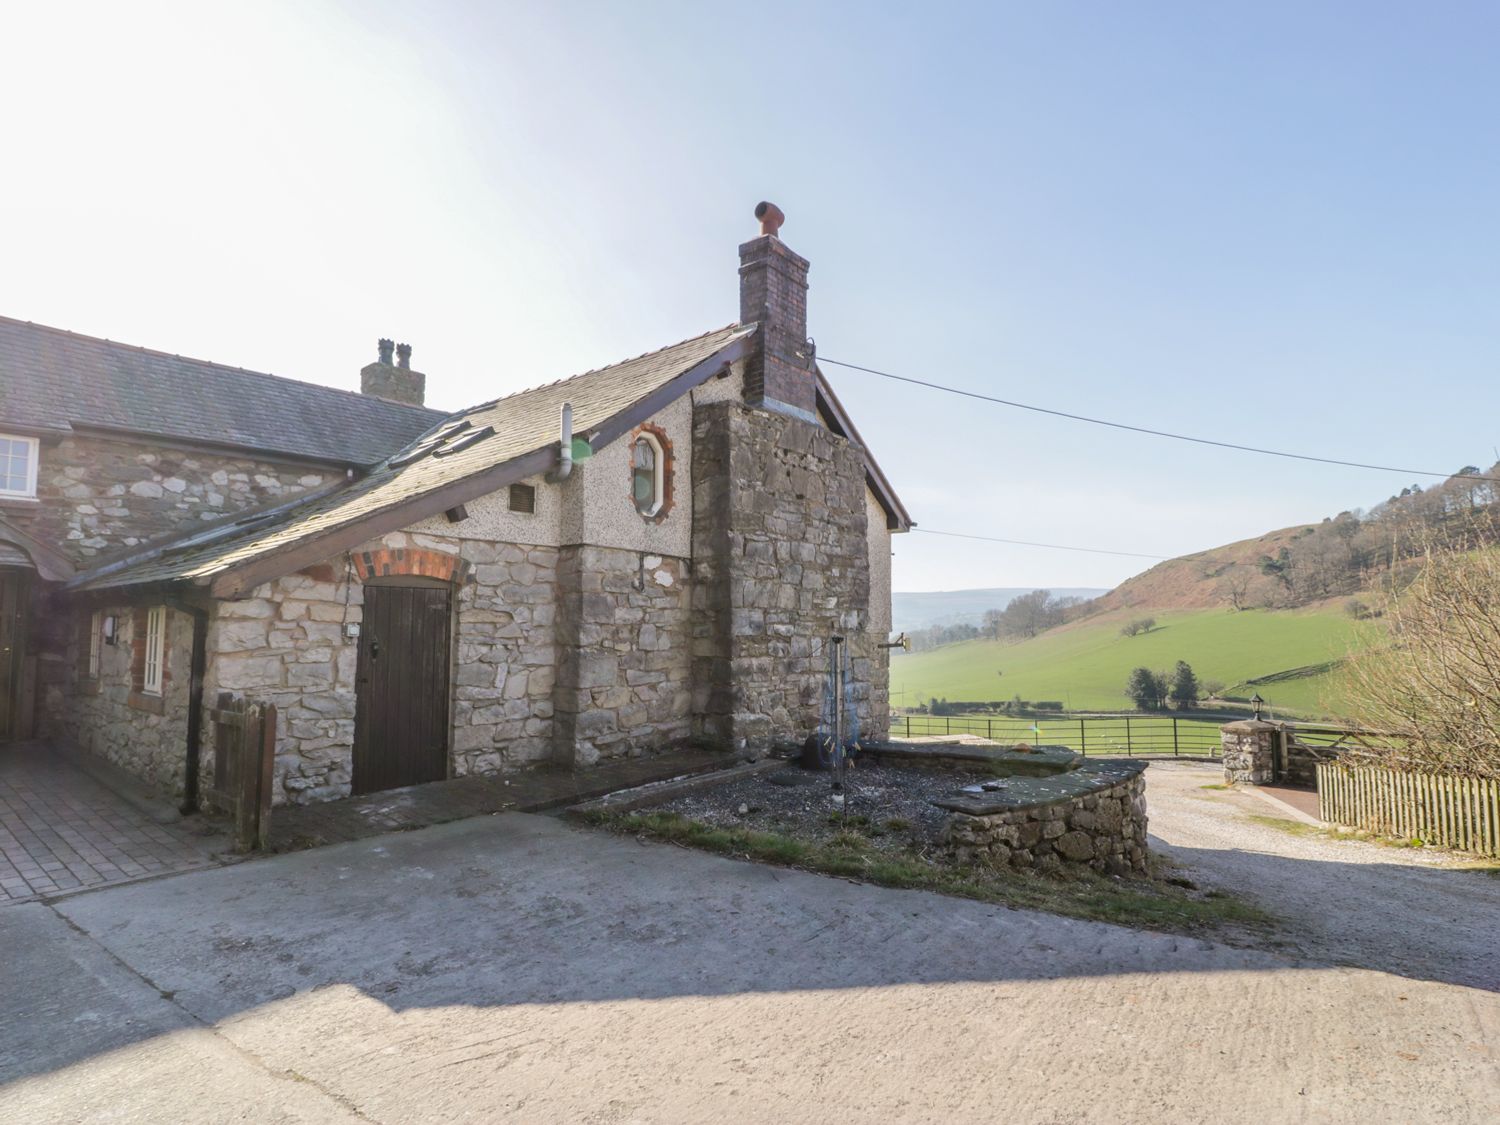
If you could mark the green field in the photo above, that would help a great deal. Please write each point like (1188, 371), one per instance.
(1085, 665)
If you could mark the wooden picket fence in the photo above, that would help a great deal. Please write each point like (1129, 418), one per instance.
(1452, 812)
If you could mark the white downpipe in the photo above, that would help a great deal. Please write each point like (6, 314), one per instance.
(565, 448)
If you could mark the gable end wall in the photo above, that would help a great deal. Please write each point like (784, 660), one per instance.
(782, 564)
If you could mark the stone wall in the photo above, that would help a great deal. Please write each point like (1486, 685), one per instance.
(624, 654)
(507, 656)
(781, 565)
(286, 645)
(98, 716)
(103, 495)
(1094, 816)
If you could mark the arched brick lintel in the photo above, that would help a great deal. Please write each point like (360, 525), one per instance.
(385, 561)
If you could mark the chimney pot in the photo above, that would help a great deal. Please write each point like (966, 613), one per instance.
(385, 347)
(403, 356)
(771, 217)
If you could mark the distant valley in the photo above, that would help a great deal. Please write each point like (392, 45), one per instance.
(912, 611)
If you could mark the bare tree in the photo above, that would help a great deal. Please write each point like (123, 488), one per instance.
(1236, 588)
(1437, 686)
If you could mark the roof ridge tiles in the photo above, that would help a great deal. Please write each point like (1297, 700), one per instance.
(594, 370)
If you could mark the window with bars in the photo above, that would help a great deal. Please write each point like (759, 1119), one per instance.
(156, 651)
(96, 641)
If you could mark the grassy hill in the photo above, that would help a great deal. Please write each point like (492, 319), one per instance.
(1085, 664)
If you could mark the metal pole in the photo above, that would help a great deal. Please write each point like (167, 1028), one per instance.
(836, 669)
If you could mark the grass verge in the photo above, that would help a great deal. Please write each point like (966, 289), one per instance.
(1298, 828)
(1152, 903)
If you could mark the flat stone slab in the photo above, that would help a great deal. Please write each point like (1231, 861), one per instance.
(1024, 792)
(1005, 760)
(539, 789)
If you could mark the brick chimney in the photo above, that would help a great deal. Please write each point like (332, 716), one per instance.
(394, 381)
(773, 294)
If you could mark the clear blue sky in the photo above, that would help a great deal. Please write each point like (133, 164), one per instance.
(1272, 223)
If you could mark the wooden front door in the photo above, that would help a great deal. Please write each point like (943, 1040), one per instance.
(401, 698)
(13, 591)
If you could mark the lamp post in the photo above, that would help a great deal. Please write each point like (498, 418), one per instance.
(1256, 703)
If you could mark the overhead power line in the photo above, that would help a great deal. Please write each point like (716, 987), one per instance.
(1154, 433)
(1029, 543)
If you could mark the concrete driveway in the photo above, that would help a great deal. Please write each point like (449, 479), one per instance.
(516, 968)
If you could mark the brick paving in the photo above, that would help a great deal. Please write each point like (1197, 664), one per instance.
(535, 790)
(61, 830)
(1303, 800)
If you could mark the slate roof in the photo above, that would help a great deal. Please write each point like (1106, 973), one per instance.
(53, 380)
(526, 428)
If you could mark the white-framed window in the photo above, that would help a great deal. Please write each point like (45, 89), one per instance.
(648, 474)
(156, 650)
(96, 641)
(18, 457)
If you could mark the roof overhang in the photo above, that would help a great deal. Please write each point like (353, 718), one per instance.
(48, 561)
(896, 516)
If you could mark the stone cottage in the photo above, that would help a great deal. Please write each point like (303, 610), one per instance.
(648, 554)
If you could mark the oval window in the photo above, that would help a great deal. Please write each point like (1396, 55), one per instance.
(646, 474)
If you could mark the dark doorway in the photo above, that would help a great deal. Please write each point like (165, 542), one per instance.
(13, 598)
(401, 699)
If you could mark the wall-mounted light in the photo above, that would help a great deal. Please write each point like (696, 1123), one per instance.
(109, 625)
(1256, 703)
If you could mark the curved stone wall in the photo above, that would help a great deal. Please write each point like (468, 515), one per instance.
(1094, 816)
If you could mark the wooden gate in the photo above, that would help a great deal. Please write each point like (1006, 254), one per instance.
(244, 753)
(401, 698)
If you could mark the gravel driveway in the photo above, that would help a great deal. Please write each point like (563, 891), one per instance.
(1422, 914)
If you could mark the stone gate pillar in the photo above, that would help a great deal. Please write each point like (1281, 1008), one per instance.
(1249, 751)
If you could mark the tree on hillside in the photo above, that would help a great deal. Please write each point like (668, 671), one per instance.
(1147, 689)
(1184, 686)
(1138, 626)
(1280, 568)
(1029, 614)
(1235, 588)
(935, 636)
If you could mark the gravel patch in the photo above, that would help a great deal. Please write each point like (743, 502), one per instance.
(1417, 912)
(891, 804)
